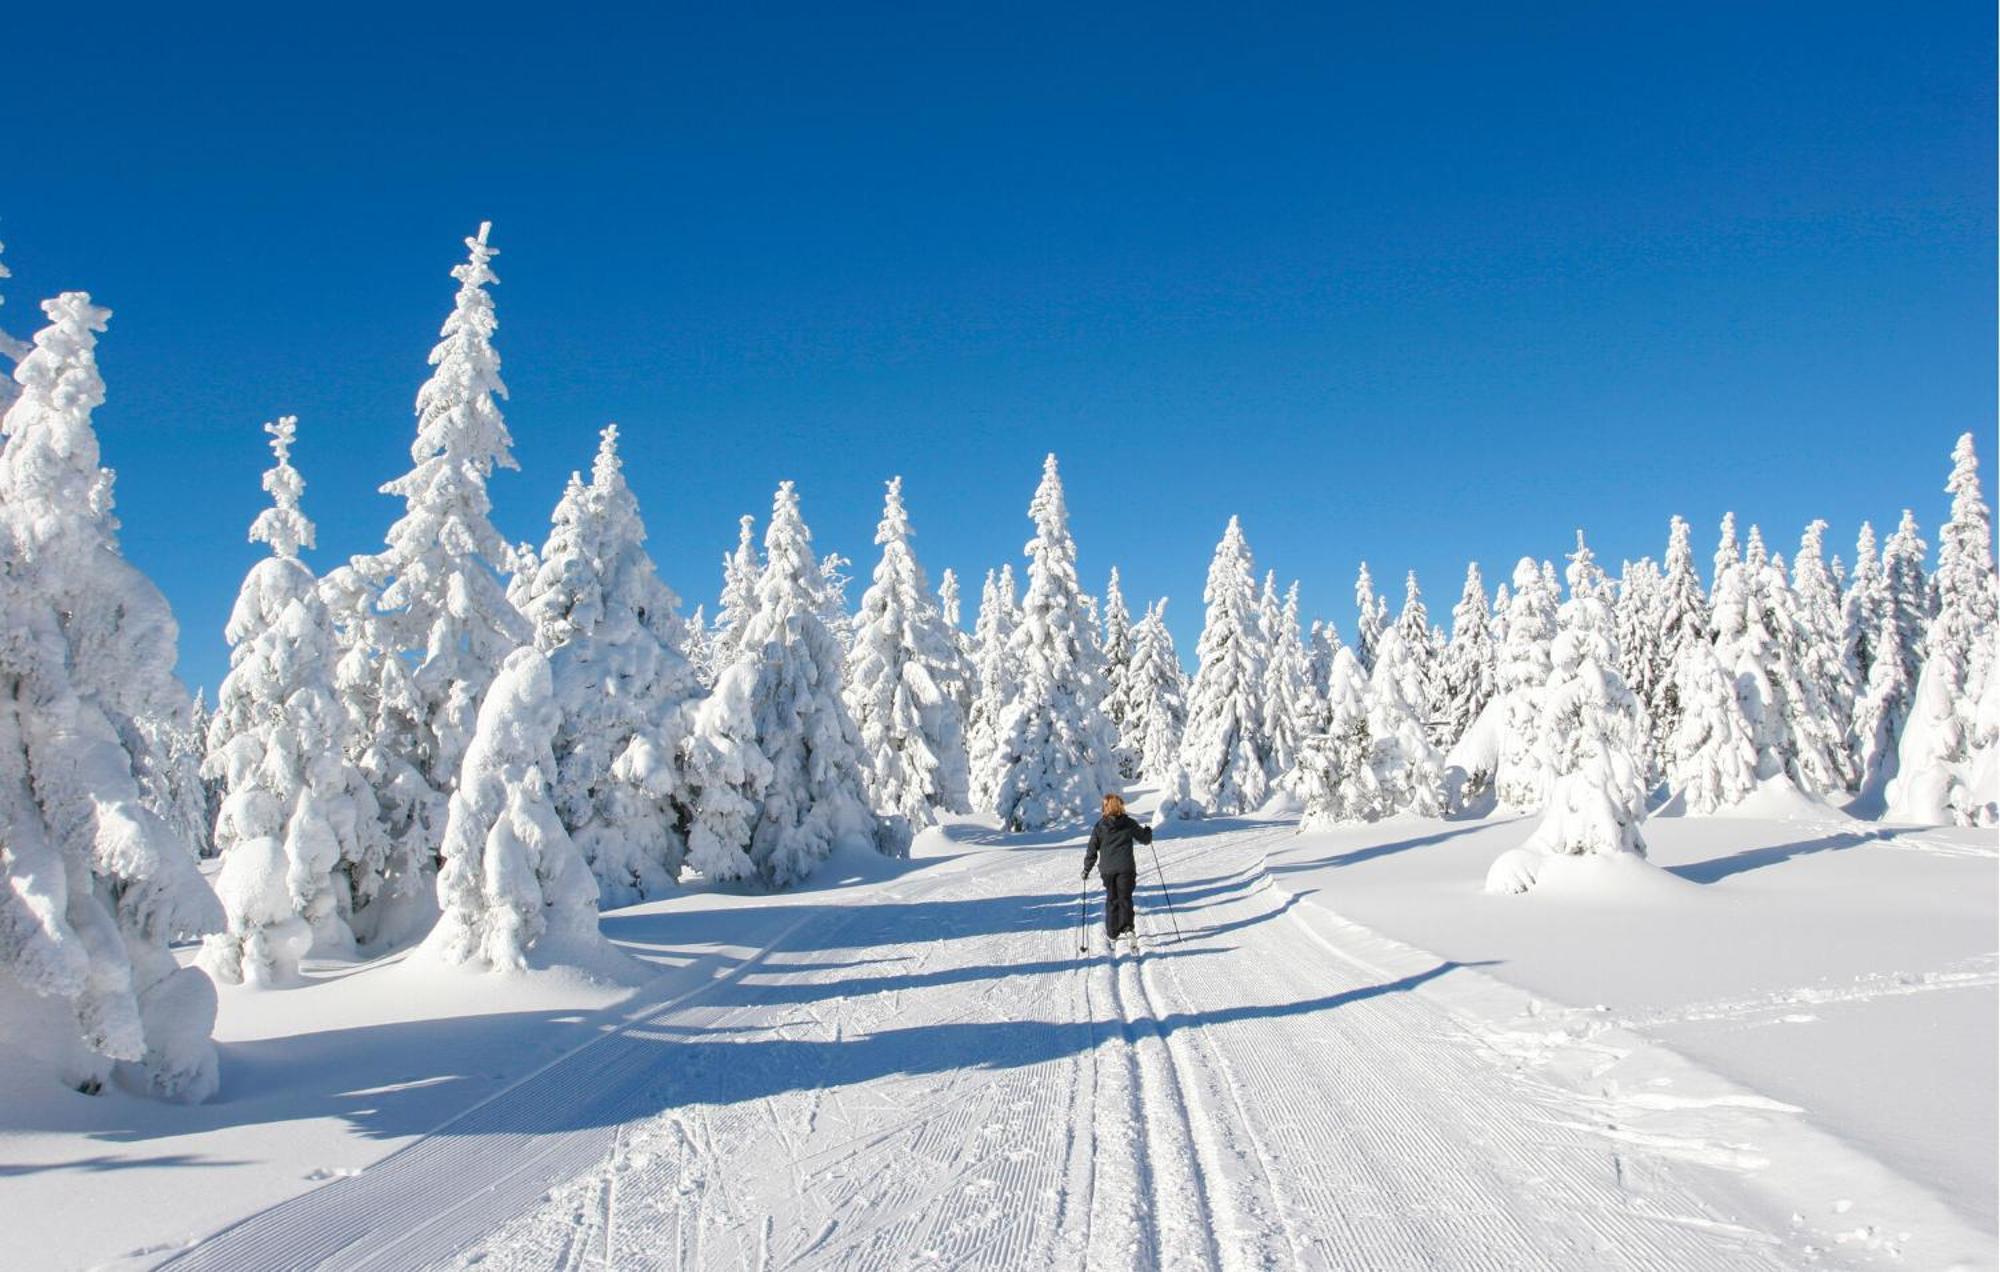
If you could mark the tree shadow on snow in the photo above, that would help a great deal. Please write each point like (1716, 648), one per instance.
(1369, 852)
(1716, 869)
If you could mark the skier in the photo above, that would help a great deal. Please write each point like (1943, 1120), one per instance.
(1111, 840)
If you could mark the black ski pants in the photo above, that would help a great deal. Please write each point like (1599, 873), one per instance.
(1118, 901)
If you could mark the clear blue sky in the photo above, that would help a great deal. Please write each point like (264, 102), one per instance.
(1405, 283)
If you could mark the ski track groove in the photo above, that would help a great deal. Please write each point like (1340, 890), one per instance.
(1257, 1099)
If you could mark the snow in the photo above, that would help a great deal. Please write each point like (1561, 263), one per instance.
(1353, 1058)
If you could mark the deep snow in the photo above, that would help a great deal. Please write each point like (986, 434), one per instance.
(1771, 1048)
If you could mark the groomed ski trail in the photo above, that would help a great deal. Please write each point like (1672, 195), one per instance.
(927, 1074)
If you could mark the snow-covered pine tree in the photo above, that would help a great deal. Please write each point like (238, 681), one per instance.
(1683, 621)
(1710, 759)
(700, 648)
(1470, 672)
(1373, 614)
(430, 611)
(902, 675)
(1822, 657)
(96, 885)
(1521, 780)
(833, 610)
(1409, 772)
(1225, 747)
(1117, 647)
(997, 682)
(1289, 706)
(301, 839)
(1727, 553)
(170, 780)
(1419, 674)
(1939, 765)
(1591, 734)
(613, 635)
(964, 680)
(1155, 693)
(816, 799)
(1757, 642)
(1058, 754)
(1337, 766)
(1637, 623)
(739, 595)
(514, 891)
(1895, 658)
(1322, 643)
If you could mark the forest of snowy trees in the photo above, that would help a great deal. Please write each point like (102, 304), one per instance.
(469, 748)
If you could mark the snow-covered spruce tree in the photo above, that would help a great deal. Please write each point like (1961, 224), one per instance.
(1290, 707)
(1470, 671)
(1117, 647)
(1727, 552)
(612, 633)
(997, 682)
(727, 775)
(964, 680)
(301, 839)
(1754, 618)
(1683, 620)
(1418, 672)
(816, 799)
(700, 647)
(1373, 617)
(1861, 606)
(514, 890)
(1895, 658)
(1591, 733)
(1637, 622)
(833, 600)
(739, 595)
(170, 781)
(1225, 747)
(96, 885)
(901, 680)
(1710, 759)
(1815, 744)
(1337, 769)
(1322, 643)
(430, 609)
(1938, 764)
(1409, 772)
(1058, 754)
(1822, 658)
(1521, 780)
(1155, 694)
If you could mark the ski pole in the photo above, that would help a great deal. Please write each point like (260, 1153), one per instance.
(1163, 892)
(1083, 916)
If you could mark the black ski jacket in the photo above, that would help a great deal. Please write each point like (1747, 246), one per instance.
(1112, 839)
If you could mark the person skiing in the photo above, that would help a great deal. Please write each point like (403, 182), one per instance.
(1111, 842)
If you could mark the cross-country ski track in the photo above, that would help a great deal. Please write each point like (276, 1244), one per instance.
(925, 1072)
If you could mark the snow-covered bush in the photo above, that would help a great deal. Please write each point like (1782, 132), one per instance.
(96, 884)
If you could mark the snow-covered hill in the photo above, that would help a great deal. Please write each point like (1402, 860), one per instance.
(1775, 1052)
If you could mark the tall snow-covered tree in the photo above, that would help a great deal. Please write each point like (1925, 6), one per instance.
(1521, 780)
(96, 885)
(1337, 767)
(514, 891)
(1758, 641)
(1373, 617)
(1058, 754)
(964, 681)
(816, 799)
(1861, 606)
(1638, 616)
(1727, 553)
(739, 594)
(1225, 747)
(1409, 772)
(700, 648)
(1117, 647)
(902, 675)
(429, 612)
(1939, 767)
(1710, 759)
(1592, 730)
(1289, 703)
(1419, 658)
(1683, 622)
(1822, 656)
(612, 632)
(1895, 658)
(1322, 643)
(302, 844)
(1469, 674)
(997, 677)
(1155, 694)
